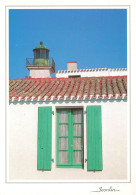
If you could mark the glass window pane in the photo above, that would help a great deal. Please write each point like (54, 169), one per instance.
(77, 143)
(63, 116)
(63, 143)
(77, 130)
(47, 55)
(77, 156)
(37, 54)
(63, 130)
(77, 116)
(42, 53)
(63, 157)
(34, 54)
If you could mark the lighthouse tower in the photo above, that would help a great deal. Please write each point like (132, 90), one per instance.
(41, 66)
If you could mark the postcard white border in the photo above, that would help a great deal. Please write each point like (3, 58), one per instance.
(65, 188)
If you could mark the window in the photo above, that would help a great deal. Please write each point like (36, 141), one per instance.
(43, 53)
(71, 76)
(37, 54)
(70, 138)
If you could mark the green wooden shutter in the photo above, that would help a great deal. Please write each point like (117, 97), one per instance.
(94, 138)
(44, 138)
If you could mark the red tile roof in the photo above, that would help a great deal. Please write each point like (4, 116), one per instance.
(75, 88)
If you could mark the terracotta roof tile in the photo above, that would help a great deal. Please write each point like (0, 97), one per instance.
(70, 87)
(115, 86)
(92, 87)
(103, 86)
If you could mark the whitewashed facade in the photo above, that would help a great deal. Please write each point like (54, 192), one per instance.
(23, 132)
(23, 129)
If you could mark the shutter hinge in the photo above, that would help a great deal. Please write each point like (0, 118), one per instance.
(52, 159)
(53, 112)
(85, 160)
(85, 112)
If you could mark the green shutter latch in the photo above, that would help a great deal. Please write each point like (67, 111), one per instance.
(53, 112)
(52, 159)
(85, 160)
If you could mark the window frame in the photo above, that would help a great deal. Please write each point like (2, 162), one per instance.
(70, 136)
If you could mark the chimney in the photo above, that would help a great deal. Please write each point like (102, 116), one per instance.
(72, 66)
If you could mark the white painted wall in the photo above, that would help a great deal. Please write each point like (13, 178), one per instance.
(72, 66)
(22, 143)
(40, 73)
(90, 73)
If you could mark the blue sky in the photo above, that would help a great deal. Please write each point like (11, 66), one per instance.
(93, 37)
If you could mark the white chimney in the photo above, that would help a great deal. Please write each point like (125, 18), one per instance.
(72, 66)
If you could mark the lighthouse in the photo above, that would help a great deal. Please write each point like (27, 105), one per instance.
(41, 55)
(41, 65)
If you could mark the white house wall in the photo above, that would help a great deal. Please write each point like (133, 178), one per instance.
(91, 73)
(22, 143)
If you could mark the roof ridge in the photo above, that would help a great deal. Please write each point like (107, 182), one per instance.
(68, 77)
(77, 70)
